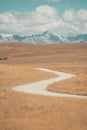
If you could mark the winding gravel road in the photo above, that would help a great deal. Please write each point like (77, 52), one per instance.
(40, 87)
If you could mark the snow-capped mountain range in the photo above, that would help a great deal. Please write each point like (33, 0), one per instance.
(45, 37)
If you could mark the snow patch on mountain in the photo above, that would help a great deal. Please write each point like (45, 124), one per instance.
(46, 37)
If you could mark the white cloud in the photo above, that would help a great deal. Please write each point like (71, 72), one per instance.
(42, 19)
(82, 14)
(69, 15)
(75, 20)
(46, 10)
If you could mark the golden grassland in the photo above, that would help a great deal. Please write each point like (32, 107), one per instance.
(20, 111)
(76, 85)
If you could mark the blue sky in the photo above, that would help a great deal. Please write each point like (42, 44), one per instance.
(36, 16)
(30, 5)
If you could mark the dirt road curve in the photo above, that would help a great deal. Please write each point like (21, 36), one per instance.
(40, 87)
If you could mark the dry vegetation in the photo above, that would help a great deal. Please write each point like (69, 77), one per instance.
(76, 64)
(19, 111)
(77, 85)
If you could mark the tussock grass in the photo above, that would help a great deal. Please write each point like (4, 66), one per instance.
(19, 111)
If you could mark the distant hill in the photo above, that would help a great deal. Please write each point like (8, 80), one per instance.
(45, 37)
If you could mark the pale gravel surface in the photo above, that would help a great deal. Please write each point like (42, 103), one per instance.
(40, 87)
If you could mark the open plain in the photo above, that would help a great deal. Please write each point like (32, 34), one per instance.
(21, 111)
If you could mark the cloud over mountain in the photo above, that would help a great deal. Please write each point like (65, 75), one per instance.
(42, 19)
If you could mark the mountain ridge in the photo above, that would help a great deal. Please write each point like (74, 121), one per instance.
(45, 37)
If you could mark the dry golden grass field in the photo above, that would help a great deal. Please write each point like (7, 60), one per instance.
(20, 111)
